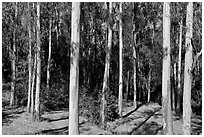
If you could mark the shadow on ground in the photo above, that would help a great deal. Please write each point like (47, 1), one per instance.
(149, 128)
(9, 115)
(57, 131)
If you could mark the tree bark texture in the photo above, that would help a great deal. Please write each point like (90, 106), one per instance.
(74, 71)
(38, 78)
(187, 72)
(166, 96)
(106, 74)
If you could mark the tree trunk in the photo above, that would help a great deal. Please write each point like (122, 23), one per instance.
(134, 62)
(127, 86)
(56, 27)
(178, 102)
(106, 74)
(174, 87)
(134, 73)
(33, 84)
(29, 61)
(74, 71)
(120, 97)
(187, 72)
(149, 85)
(13, 61)
(34, 72)
(37, 95)
(50, 51)
(166, 100)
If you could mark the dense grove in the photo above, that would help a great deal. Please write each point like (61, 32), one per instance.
(143, 18)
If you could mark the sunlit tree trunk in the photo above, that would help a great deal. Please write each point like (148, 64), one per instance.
(178, 102)
(29, 61)
(13, 61)
(120, 97)
(49, 54)
(149, 84)
(37, 94)
(166, 96)
(34, 72)
(74, 71)
(106, 73)
(33, 85)
(187, 72)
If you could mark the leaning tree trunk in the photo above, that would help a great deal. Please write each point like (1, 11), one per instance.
(74, 71)
(187, 72)
(178, 99)
(29, 61)
(166, 96)
(120, 97)
(106, 73)
(37, 94)
(49, 54)
(13, 61)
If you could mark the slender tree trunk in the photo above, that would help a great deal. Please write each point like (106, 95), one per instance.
(134, 74)
(149, 85)
(120, 97)
(106, 73)
(134, 61)
(49, 55)
(33, 85)
(13, 61)
(166, 100)
(178, 102)
(29, 61)
(37, 95)
(74, 71)
(56, 27)
(127, 86)
(174, 88)
(187, 72)
(34, 72)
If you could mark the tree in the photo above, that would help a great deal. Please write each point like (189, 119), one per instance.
(178, 99)
(106, 72)
(50, 51)
(34, 72)
(187, 72)
(166, 102)
(29, 61)
(134, 59)
(74, 71)
(13, 60)
(38, 78)
(120, 97)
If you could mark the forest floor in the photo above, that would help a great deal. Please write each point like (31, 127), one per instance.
(145, 120)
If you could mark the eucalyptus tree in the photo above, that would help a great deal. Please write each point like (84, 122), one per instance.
(166, 100)
(74, 71)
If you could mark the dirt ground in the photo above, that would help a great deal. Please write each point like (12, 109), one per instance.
(145, 120)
